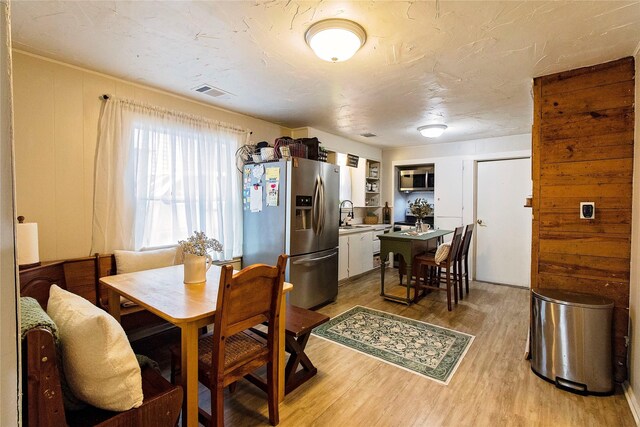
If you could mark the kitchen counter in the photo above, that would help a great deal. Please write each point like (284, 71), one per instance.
(361, 228)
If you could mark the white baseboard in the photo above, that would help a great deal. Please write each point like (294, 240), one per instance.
(633, 402)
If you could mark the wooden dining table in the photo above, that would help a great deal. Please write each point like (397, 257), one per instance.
(406, 244)
(190, 307)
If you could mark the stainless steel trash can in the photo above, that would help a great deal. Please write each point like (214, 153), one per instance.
(571, 340)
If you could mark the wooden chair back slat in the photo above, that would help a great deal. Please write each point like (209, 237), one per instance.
(246, 324)
(466, 242)
(454, 252)
(247, 298)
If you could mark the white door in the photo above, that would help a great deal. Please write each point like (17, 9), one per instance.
(503, 226)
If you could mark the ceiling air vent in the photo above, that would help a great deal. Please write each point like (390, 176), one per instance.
(210, 90)
(368, 134)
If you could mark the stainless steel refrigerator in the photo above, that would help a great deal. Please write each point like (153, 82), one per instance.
(301, 220)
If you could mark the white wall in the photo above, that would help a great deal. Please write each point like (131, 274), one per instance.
(466, 151)
(57, 108)
(9, 350)
(634, 285)
(339, 144)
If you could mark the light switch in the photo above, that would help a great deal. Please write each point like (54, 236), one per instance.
(587, 210)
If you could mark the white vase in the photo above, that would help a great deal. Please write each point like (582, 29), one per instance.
(196, 267)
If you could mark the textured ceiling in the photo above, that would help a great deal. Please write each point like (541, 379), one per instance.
(466, 64)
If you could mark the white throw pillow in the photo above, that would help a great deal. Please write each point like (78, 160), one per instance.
(98, 361)
(132, 261)
(442, 253)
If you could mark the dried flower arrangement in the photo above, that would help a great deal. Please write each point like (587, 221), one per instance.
(199, 244)
(420, 208)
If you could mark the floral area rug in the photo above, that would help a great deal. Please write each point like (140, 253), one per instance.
(419, 347)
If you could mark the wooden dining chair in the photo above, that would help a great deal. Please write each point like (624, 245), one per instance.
(430, 275)
(246, 299)
(463, 261)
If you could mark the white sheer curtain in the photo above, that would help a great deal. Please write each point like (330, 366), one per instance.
(161, 175)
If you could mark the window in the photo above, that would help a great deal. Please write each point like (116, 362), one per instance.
(177, 176)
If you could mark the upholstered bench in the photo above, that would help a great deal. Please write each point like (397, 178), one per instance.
(81, 276)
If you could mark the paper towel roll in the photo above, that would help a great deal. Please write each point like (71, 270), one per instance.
(28, 243)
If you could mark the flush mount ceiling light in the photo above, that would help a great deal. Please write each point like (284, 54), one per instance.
(335, 40)
(432, 131)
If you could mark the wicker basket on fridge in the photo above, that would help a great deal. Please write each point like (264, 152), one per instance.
(296, 148)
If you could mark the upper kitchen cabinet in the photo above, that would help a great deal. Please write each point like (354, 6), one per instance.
(448, 188)
(365, 184)
(345, 174)
(358, 183)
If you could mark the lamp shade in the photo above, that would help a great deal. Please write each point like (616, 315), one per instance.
(432, 131)
(335, 40)
(27, 242)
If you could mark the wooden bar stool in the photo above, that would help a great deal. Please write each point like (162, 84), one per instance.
(463, 261)
(449, 265)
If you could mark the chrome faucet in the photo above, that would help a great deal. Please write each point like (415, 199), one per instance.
(349, 212)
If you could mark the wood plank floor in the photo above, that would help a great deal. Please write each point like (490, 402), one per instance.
(493, 385)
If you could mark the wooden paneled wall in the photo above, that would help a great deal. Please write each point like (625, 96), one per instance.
(583, 152)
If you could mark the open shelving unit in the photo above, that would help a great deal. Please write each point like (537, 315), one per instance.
(372, 184)
(372, 187)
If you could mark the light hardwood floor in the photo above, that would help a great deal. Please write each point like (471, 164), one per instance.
(493, 385)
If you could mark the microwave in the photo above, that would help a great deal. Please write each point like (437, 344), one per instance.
(419, 179)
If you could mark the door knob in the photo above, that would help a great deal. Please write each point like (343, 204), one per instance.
(480, 223)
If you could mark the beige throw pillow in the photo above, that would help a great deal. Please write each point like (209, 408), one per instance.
(131, 261)
(442, 253)
(98, 361)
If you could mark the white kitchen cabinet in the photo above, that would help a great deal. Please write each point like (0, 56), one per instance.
(360, 253)
(343, 257)
(376, 240)
(345, 183)
(356, 251)
(359, 184)
(448, 189)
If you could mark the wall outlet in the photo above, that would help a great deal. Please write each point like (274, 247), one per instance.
(587, 210)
